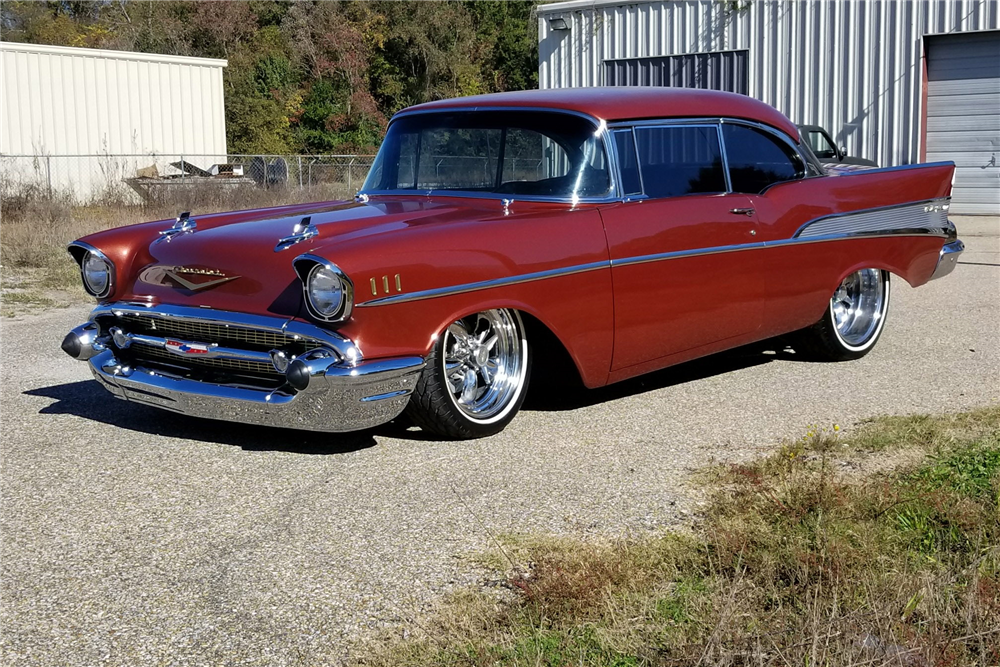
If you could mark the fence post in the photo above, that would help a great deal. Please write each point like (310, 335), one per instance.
(300, 172)
(183, 170)
(349, 165)
(48, 173)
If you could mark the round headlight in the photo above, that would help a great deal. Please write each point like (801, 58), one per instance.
(325, 291)
(96, 274)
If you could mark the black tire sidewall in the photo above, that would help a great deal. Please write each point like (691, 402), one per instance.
(432, 406)
(822, 341)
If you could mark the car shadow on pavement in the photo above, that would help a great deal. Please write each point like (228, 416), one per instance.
(88, 400)
(545, 396)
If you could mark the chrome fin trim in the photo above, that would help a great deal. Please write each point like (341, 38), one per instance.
(930, 215)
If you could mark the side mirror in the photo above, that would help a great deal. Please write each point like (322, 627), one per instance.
(843, 151)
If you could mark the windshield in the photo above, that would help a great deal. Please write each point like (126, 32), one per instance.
(520, 153)
(820, 144)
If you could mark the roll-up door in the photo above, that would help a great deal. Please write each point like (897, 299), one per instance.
(963, 115)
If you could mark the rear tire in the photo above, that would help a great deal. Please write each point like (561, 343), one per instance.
(853, 321)
(476, 377)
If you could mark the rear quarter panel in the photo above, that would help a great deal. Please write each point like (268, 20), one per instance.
(802, 273)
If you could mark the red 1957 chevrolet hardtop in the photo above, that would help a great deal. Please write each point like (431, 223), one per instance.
(637, 227)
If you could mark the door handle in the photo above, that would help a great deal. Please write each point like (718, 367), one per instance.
(742, 211)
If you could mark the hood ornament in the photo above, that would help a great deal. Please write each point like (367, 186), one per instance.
(302, 230)
(184, 224)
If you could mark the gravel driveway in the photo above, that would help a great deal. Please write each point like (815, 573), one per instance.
(137, 537)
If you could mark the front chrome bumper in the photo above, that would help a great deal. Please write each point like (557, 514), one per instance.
(948, 259)
(336, 391)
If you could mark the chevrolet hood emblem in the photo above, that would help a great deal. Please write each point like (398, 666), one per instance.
(190, 278)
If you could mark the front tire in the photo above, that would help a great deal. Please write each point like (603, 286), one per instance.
(476, 377)
(853, 320)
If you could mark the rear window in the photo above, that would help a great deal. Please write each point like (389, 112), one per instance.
(680, 160)
(758, 160)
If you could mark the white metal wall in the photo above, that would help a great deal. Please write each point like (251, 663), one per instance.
(57, 101)
(68, 101)
(853, 67)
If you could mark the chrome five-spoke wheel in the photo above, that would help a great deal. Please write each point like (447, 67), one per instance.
(476, 376)
(858, 307)
(854, 319)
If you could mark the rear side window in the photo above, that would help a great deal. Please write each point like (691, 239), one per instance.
(680, 160)
(628, 164)
(758, 160)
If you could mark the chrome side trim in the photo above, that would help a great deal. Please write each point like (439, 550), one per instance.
(78, 257)
(640, 259)
(344, 347)
(857, 235)
(869, 223)
(486, 284)
(928, 214)
(695, 252)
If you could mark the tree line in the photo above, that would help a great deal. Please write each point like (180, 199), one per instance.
(313, 76)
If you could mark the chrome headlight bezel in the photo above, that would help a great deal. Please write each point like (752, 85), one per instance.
(312, 269)
(89, 259)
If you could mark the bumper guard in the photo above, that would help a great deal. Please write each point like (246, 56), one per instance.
(948, 259)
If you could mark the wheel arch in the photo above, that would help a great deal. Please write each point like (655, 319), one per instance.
(551, 353)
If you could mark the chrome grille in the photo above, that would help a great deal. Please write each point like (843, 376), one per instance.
(209, 332)
(250, 367)
(196, 331)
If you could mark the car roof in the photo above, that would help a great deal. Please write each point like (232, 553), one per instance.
(623, 103)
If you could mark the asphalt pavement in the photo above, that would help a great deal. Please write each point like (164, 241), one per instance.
(138, 537)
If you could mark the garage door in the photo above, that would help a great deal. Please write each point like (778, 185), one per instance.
(963, 115)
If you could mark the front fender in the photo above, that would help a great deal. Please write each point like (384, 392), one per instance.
(412, 284)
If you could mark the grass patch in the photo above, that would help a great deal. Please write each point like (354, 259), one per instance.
(791, 564)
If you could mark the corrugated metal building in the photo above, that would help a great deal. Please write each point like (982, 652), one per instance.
(894, 81)
(61, 101)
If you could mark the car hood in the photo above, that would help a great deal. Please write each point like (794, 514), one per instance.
(230, 262)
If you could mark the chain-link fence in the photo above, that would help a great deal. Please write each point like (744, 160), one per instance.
(151, 179)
